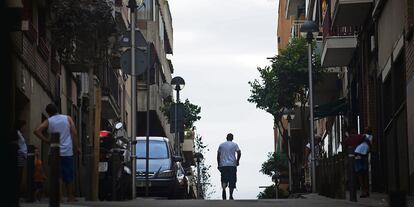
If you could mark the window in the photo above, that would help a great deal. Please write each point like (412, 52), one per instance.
(146, 12)
(399, 82)
(157, 149)
(161, 28)
(41, 22)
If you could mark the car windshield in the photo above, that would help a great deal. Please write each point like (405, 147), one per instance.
(157, 149)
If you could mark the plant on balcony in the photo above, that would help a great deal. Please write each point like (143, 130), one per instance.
(81, 29)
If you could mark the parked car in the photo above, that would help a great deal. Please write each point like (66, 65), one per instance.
(165, 174)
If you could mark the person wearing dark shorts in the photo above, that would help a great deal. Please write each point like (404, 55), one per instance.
(228, 176)
(227, 164)
(66, 169)
(68, 144)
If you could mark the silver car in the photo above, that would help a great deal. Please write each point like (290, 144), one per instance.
(165, 171)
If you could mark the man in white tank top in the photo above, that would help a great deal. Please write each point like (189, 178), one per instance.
(227, 164)
(64, 125)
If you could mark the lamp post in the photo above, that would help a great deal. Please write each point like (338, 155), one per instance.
(289, 115)
(178, 84)
(132, 4)
(198, 157)
(309, 29)
(276, 180)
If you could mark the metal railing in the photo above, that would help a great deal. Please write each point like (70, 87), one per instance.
(331, 171)
(110, 83)
(295, 30)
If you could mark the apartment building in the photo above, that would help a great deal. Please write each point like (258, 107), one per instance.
(329, 101)
(370, 42)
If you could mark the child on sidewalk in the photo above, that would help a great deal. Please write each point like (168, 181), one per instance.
(39, 176)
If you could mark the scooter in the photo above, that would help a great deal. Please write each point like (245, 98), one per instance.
(114, 172)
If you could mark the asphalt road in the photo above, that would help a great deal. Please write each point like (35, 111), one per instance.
(308, 201)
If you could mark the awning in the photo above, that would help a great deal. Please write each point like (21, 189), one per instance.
(334, 108)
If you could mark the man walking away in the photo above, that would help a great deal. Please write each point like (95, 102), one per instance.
(227, 164)
(64, 125)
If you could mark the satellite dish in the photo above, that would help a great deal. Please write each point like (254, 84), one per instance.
(166, 90)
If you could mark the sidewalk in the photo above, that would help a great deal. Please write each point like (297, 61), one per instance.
(375, 199)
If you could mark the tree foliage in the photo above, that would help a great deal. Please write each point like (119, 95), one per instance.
(191, 112)
(274, 161)
(286, 80)
(270, 193)
(81, 28)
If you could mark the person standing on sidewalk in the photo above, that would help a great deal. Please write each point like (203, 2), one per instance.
(64, 125)
(227, 164)
(21, 152)
(361, 162)
(351, 141)
(39, 176)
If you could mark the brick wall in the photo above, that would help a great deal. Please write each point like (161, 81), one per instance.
(39, 67)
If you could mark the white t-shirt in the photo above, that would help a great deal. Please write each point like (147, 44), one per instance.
(60, 124)
(227, 152)
(362, 148)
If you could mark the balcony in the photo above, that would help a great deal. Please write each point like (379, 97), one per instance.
(110, 89)
(351, 12)
(188, 149)
(296, 25)
(158, 122)
(339, 48)
(166, 14)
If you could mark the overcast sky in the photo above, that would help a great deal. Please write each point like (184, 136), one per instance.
(218, 44)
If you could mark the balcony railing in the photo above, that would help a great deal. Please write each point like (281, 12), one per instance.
(110, 83)
(296, 25)
(43, 48)
(31, 34)
(345, 31)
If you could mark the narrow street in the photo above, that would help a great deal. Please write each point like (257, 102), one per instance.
(309, 200)
(281, 102)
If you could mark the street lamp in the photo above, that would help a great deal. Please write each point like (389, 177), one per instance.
(198, 157)
(178, 84)
(308, 30)
(276, 180)
(289, 115)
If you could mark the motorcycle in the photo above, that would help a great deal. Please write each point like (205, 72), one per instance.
(114, 172)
